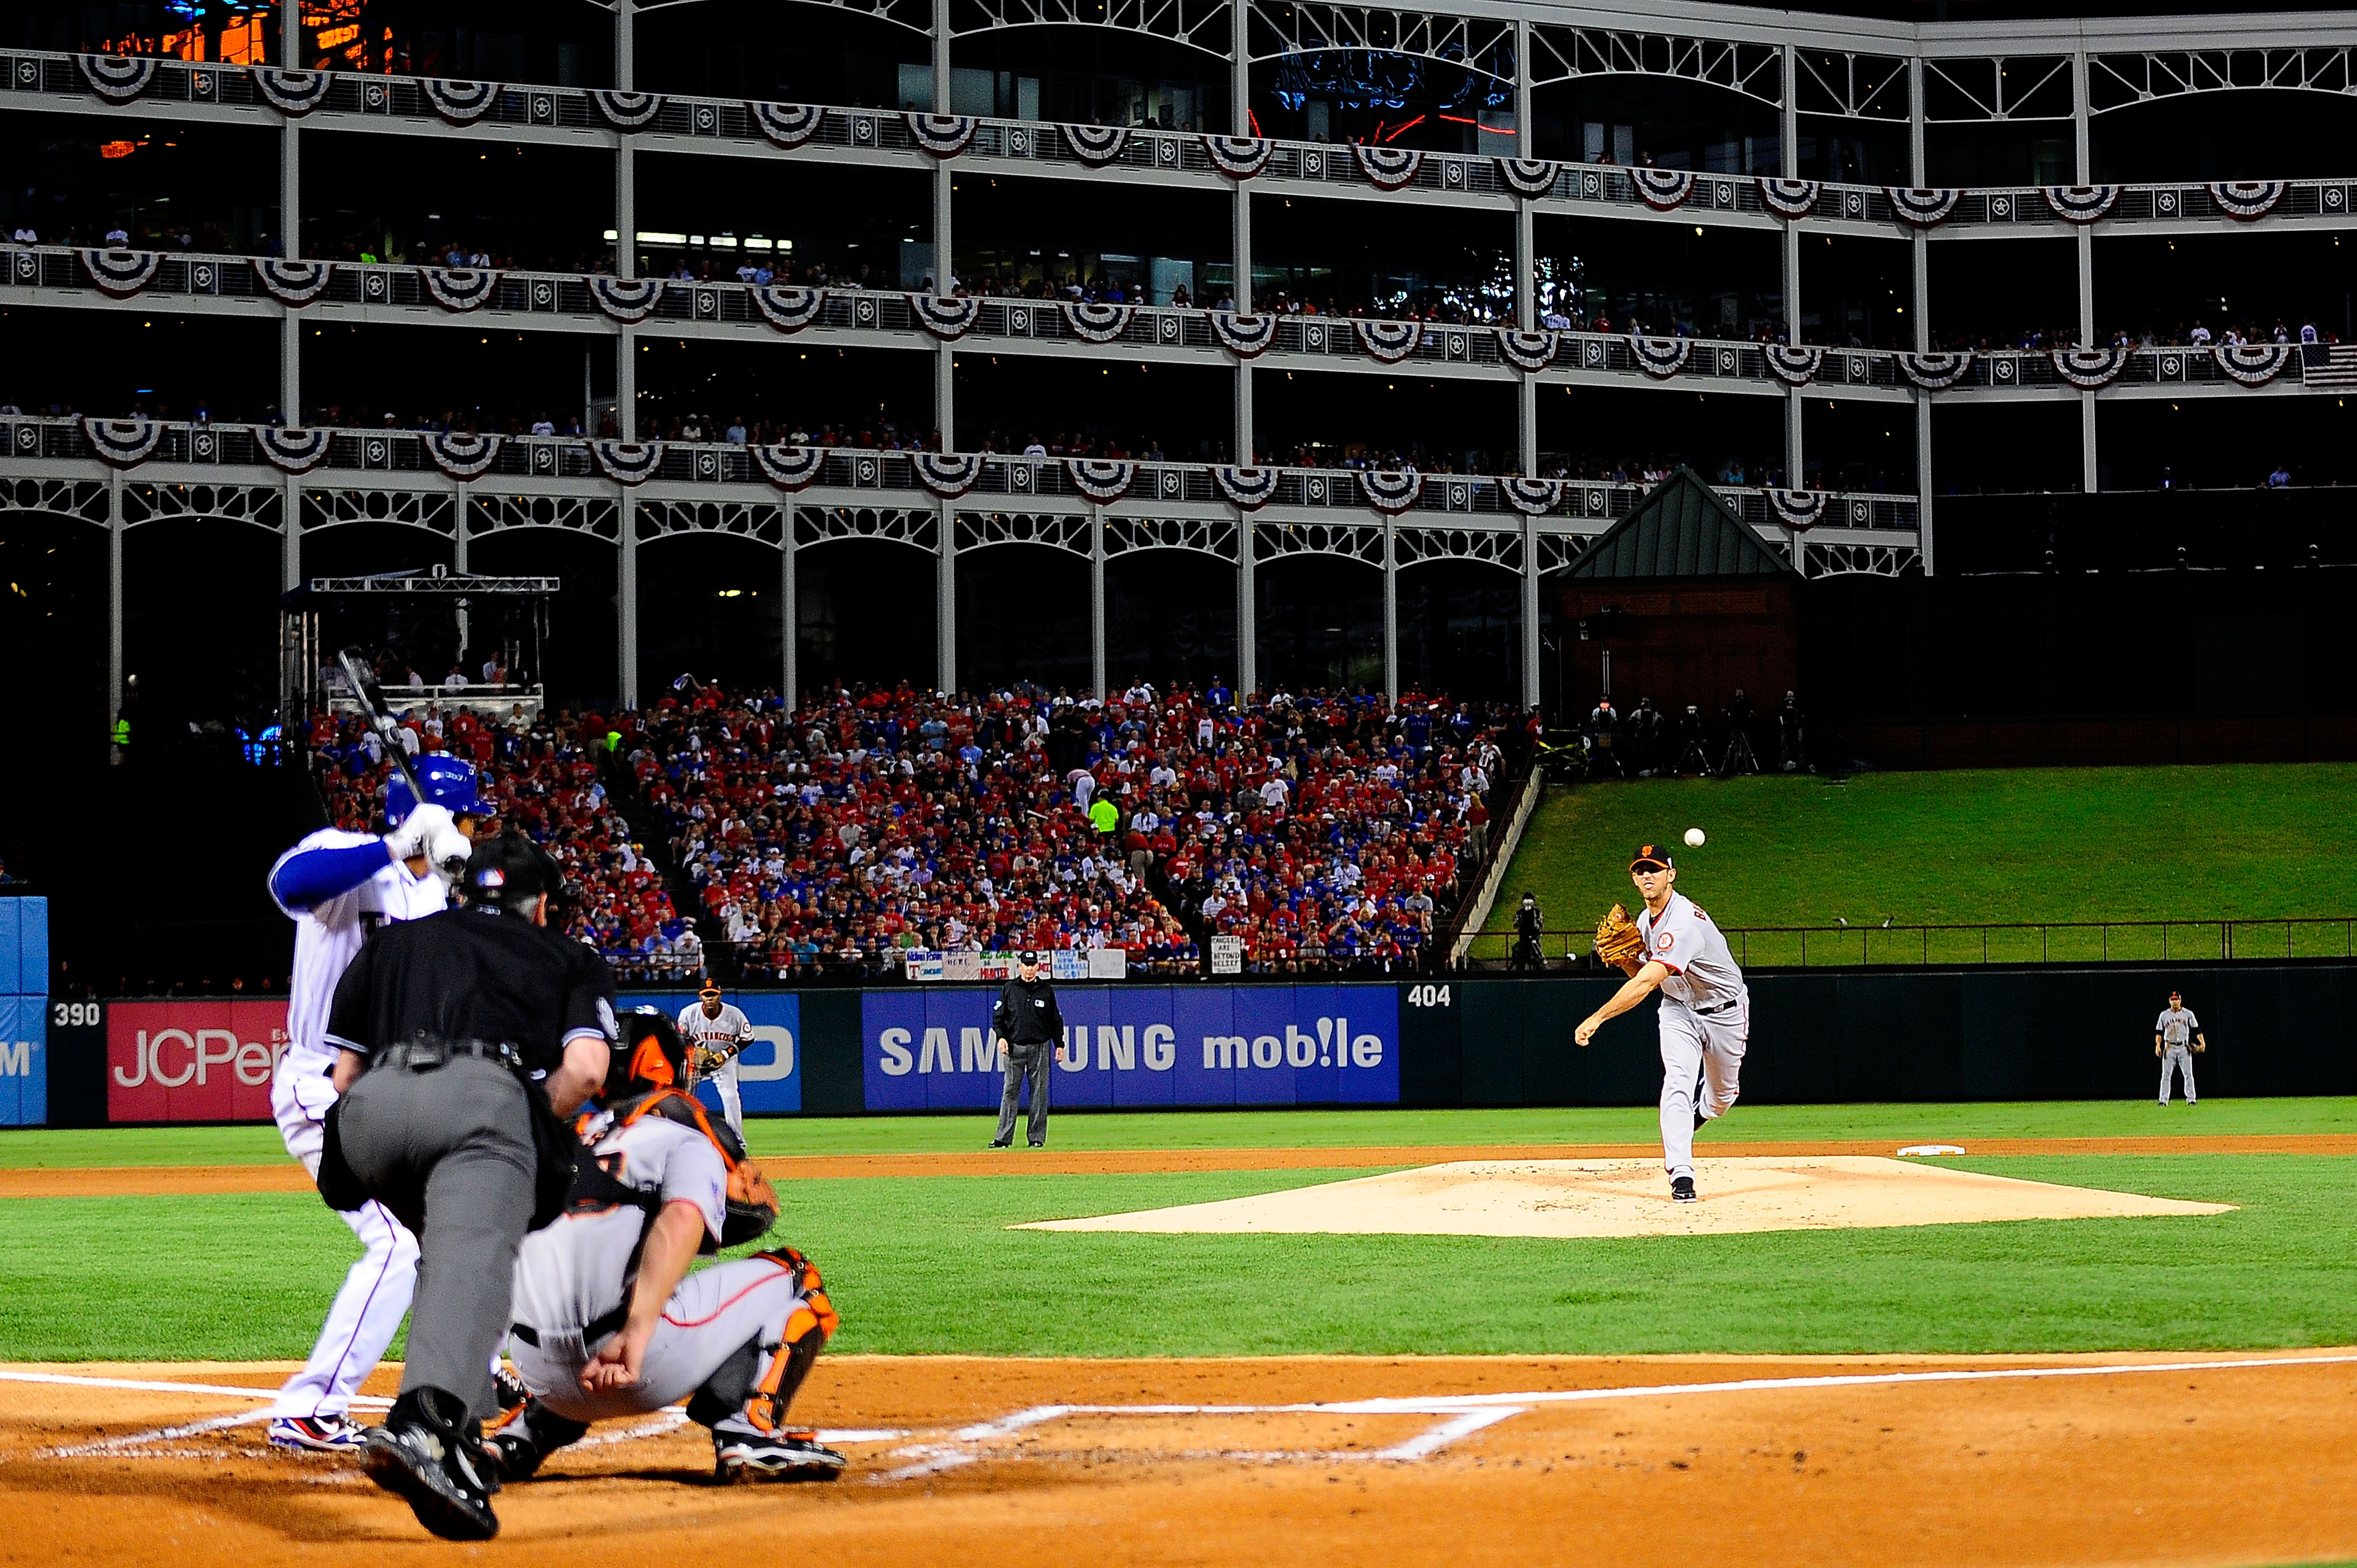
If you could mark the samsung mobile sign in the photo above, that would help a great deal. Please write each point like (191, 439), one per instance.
(1263, 1045)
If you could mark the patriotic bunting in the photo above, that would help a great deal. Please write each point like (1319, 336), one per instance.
(122, 442)
(948, 475)
(1095, 145)
(1663, 189)
(461, 102)
(1389, 341)
(1102, 479)
(1789, 199)
(1532, 351)
(1246, 336)
(1387, 168)
(292, 93)
(1249, 489)
(2078, 203)
(293, 283)
(945, 317)
(462, 454)
(629, 300)
(787, 307)
(2246, 200)
(1532, 498)
(1390, 493)
(628, 462)
(1791, 363)
(943, 135)
(1799, 511)
(1528, 176)
(1660, 357)
(117, 78)
(120, 273)
(790, 467)
(459, 288)
(1096, 322)
(2253, 364)
(787, 125)
(1238, 158)
(626, 111)
(2089, 368)
(295, 450)
(1937, 371)
(1922, 206)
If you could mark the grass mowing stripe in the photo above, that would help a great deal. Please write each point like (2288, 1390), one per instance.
(927, 1266)
(65, 1148)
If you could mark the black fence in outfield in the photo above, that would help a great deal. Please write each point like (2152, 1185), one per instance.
(1916, 1035)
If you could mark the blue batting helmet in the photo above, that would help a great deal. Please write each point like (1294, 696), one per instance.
(448, 782)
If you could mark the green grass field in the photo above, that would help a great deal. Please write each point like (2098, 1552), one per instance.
(2190, 844)
(928, 1265)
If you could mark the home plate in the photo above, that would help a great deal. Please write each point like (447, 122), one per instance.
(1631, 1198)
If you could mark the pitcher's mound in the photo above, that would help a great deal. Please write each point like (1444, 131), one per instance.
(1631, 1198)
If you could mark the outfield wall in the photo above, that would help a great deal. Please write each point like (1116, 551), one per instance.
(1817, 1036)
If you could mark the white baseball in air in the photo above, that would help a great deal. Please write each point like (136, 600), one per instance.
(1693, 838)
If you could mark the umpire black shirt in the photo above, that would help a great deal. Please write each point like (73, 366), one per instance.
(475, 973)
(1027, 1014)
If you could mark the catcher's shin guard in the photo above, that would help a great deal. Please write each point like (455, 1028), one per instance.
(807, 1330)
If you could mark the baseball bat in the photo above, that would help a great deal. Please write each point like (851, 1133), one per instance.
(380, 717)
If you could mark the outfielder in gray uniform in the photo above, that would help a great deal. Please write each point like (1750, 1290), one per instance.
(1705, 1012)
(2175, 1027)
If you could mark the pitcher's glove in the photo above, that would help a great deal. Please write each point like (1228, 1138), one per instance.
(1617, 940)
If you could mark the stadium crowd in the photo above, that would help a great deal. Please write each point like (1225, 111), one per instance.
(1323, 829)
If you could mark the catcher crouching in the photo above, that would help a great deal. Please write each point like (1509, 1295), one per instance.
(1705, 1012)
(608, 1322)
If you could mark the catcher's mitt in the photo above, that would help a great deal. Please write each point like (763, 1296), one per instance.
(752, 1205)
(1617, 940)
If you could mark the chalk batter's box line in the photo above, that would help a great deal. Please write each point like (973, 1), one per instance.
(669, 1419)
(1472, 1412)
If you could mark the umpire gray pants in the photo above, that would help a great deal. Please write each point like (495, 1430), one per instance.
(449, 1152)
(1037, 1063)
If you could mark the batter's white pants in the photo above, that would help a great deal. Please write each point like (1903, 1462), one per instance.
(732, 1105)
(367, 1309)
(2179, 1060)
(1696, 1047)
(713, 1314)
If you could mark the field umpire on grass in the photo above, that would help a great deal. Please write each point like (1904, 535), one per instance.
(1027, 1023)
(464, 1037)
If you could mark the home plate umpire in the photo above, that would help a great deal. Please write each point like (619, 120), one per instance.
(463, 1038)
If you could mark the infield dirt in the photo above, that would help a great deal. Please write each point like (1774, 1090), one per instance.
(2238, 1463)
(285, 1175)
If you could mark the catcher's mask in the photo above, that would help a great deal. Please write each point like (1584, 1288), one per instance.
(653, 1057)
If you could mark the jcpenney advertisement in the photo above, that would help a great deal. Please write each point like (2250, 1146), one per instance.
(1190, 1046)
(193, 1060)
(211, 1060)
(769, 1071)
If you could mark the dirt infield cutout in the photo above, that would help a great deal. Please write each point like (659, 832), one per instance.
(1566, 1198)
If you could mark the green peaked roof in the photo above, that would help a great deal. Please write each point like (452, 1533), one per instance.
(1682, 529)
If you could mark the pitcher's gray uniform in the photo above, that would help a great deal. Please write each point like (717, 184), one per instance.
(2174, 1029)
(726, 1029)
(1705, 1021)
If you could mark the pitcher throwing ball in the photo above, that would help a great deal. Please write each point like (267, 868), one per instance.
(1705, 1012)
